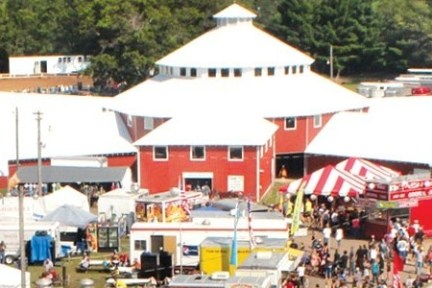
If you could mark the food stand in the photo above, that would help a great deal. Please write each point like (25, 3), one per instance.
(401, 197)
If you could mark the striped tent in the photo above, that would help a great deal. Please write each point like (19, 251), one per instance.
(329, 181)
(366, 169)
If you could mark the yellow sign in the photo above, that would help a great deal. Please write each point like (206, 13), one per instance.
(297, 210)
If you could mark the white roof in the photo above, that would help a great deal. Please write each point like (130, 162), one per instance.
(200, 130)
(270, 97)
(11, 277)
(235, 11)
(70, 126)
(394, 129)
(238, 44)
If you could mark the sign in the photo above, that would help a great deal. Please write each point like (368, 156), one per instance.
(411, 193)
(236, 183)
(190, 250)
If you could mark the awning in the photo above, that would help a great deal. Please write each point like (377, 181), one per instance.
(329, 181)
(63, 174)
(366, 169)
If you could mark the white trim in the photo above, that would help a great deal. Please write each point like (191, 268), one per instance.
(234, 159)
(198, 175)
(161, 159)
(129, 120)
(191, 158)
(290, 128)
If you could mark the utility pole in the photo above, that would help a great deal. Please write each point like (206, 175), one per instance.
(39, 150)
(20, 206)
(331, 62)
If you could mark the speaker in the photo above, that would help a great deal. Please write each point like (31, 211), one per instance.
(148, 265)
(165, 265)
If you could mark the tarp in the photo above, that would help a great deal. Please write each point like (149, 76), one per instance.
(118, 201)
(366, 169)
(69, 215)
(11, 277)
(329, 181)
(65, 195)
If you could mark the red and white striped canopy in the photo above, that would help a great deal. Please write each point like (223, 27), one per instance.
(329, 181)
(366, 169)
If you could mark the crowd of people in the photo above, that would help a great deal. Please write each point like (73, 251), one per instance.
(363, 265)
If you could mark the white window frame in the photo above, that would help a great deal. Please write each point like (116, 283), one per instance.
(148, 123)
(317, 121)
(235, 159)
(192, 158)
(290, 128)
(160, 159)
(129, 120)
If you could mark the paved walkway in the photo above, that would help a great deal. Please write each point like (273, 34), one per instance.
(346, 244)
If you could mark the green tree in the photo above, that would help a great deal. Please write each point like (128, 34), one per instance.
(407, 32)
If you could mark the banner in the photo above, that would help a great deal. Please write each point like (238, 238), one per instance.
(298, 206)
(398, 265)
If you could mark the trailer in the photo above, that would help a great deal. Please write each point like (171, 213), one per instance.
(9, 233)
(182, 239)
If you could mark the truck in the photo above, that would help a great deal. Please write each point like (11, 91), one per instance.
(9, 233)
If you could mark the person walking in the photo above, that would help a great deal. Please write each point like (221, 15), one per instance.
(2, 252)
(339, 236)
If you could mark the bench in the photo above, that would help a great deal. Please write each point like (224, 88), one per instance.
(130, 282)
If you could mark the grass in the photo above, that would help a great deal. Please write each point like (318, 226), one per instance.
(74, 277)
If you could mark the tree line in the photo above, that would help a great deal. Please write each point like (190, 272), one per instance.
(126, 37)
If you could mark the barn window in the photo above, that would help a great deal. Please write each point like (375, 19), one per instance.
(197, 153)
(317, 121)
(237, 72)
(225, 72)
(270, 71)
(182, 71)
(212, 72)
(59, 59)
(79, 59)
(193, 72)
(160, 153)
(148, 123)
(235, 153)
(294, 69)
(290, 123)
(301, 69)
(258, 72)
(287, 70)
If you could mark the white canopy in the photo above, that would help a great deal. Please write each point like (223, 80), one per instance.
(65, 195)
(11, 277)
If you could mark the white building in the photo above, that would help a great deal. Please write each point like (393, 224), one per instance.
(50, 64)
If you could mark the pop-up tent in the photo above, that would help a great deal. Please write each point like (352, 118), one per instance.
(69, 215)
(11, 277)
(329, 181)
(65, 195)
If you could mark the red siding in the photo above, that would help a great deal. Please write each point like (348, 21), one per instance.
(296, 140)
(162, 175)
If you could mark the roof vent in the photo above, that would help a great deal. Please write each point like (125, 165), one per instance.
(220, 275)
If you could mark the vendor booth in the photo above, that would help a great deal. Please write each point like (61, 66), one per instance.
(405, 197)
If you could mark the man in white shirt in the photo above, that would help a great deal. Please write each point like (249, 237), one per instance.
(327, 234)
(301, 274)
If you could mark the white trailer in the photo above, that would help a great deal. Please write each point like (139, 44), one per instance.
(9, 233)
(182, 239)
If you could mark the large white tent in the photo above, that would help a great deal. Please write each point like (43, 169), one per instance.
(11, 277)
(63, 196)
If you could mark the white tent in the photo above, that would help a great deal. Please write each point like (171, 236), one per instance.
(118, 202)
(65, 195)
(11, 277)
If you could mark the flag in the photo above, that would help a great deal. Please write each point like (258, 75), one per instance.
(234, 256)
(398, 266)
(297, 210)
(251, 236)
